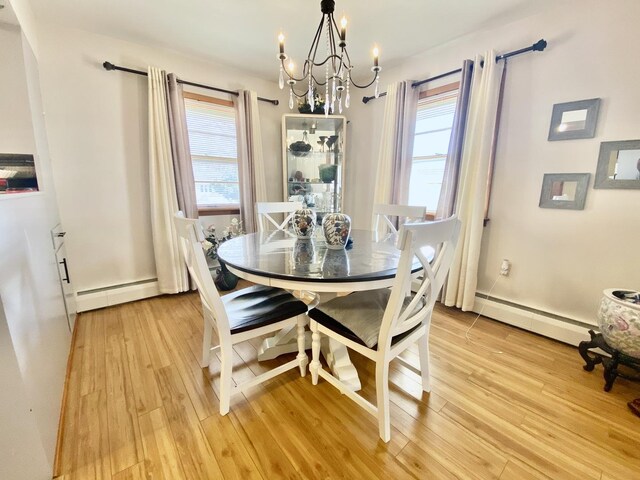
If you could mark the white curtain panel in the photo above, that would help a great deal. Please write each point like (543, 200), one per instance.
(384, 174)
(253, 186)
(396, 145)
(171, 271)
(472, 189)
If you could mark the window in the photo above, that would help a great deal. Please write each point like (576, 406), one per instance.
(434, 121)
(212, 140)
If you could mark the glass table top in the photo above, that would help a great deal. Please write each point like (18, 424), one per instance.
(282, 255)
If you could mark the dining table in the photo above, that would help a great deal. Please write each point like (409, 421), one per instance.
(280, 259)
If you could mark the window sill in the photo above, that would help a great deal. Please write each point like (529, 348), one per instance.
(211, 211)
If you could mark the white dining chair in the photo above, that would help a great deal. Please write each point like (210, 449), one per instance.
(381, 324)
(383, 212)
(238, 316)
(266, 209)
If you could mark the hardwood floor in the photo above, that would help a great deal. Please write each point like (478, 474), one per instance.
(139, 406)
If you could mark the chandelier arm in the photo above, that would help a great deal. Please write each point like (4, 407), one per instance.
(315, 44)
(330, 57)
(297, 95)
(364, 86)
(318, 82)
(334, 23)
(289, 75)
(343, 48)
(305, 69)
(316, 40)
(348, 57)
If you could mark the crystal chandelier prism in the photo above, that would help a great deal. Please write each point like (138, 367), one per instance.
(331, 73)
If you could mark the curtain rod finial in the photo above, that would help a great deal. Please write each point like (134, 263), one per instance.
(365, 100)
(109, 66)
(540, 45)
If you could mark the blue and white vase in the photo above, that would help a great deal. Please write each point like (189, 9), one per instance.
(336, 227)
(304, 223)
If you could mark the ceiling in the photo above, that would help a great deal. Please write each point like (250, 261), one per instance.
(242, 33)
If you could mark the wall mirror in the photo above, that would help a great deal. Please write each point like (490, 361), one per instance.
(566, 191)
(573, 120)
(618, 165)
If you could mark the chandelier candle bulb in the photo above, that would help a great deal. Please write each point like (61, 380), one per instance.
(376, 54)
(281, 41)
(343, 29)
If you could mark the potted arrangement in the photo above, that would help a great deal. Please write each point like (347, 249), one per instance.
(318, 107)
(225, 280)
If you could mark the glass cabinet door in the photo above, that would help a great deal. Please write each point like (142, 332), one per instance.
(313, 161)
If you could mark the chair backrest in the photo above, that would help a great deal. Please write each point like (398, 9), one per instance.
(190, 237)
(265, 209)
(383, 212)
(433, 244)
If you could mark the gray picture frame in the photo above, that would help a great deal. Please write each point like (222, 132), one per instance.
(603, 171)
(591, 105)
(546, 196)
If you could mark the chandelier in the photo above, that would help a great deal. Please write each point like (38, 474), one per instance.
(335, 69)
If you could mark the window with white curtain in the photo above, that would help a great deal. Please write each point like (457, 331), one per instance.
(434, 121)
(214, 152)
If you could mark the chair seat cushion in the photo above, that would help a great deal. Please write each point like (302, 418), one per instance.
(358, 316)
(257, 306)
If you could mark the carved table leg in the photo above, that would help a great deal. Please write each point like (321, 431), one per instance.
(285, 341)
(611, 371)
(583, 349)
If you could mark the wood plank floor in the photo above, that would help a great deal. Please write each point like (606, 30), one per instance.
(139, 406)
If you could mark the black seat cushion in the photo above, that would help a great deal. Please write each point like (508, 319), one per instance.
(257, 306)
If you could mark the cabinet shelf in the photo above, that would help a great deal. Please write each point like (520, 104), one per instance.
(291, 182)
(316, 155)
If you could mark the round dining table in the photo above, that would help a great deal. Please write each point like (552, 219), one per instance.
(279, 259)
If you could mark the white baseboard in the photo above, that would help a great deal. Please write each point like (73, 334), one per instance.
(544, 323)
(108, 296)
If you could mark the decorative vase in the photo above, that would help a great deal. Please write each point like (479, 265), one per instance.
(328, 172)
(225, 280)
(619, 320)
(336, 227)
(304, 223)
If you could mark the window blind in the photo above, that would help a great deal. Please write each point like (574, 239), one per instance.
(434, 120)
(214, 152)
(212, 129)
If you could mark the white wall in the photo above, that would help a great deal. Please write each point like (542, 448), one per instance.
(34, 337)
(562, 260)
(22, 11)
(98, 128)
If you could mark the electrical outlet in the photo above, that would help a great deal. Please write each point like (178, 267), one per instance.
(505, 268)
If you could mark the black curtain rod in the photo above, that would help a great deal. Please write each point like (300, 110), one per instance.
(539, 46)
(110, 66)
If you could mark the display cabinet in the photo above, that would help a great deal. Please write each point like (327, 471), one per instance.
(313, 161)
